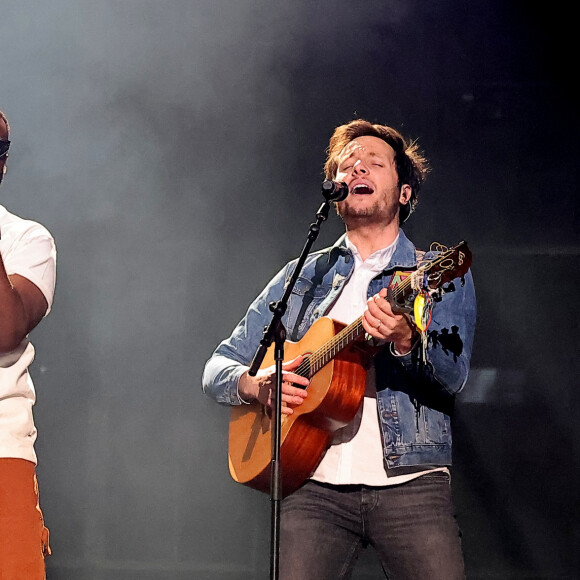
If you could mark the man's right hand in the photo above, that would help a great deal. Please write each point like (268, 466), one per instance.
(262, 387)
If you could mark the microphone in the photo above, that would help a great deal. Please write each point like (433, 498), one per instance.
(334, 190)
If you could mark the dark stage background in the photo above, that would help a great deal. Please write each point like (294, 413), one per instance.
(175, 151)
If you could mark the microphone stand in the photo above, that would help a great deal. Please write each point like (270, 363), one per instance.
(276, 332)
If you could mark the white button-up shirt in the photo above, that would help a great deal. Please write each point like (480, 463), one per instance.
(356, 453)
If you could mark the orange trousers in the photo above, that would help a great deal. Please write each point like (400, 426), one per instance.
(23, 536)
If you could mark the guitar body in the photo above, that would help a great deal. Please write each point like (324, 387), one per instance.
(334, 396)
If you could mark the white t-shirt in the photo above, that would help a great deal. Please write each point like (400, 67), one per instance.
(356, 453)
(29, 250)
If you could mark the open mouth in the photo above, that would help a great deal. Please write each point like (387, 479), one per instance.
(362, 189)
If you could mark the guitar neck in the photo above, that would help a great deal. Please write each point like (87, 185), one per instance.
(334, 346)
(449, 264)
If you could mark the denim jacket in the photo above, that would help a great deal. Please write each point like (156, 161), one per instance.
(415, 391)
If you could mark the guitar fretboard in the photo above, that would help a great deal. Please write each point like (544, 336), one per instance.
(321, 357)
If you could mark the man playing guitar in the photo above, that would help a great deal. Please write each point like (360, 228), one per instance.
(378, 469)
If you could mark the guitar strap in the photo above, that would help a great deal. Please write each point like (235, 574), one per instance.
(324, 263)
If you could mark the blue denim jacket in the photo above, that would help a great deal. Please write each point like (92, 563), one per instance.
(415, 393)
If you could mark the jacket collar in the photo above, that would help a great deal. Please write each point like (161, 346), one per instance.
(404, 255)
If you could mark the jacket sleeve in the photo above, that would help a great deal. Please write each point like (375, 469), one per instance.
(449, 340)
(233, 356)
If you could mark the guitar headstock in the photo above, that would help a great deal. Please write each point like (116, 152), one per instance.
(447, 265)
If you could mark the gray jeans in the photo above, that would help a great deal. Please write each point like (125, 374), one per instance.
(411, 526)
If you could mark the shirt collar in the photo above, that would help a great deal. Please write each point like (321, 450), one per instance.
(377, 261)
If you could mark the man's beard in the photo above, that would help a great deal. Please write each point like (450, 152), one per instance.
(375, 213)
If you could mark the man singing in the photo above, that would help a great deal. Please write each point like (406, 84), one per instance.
(384, 480)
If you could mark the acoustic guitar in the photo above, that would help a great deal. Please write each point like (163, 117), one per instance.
(335, 361)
